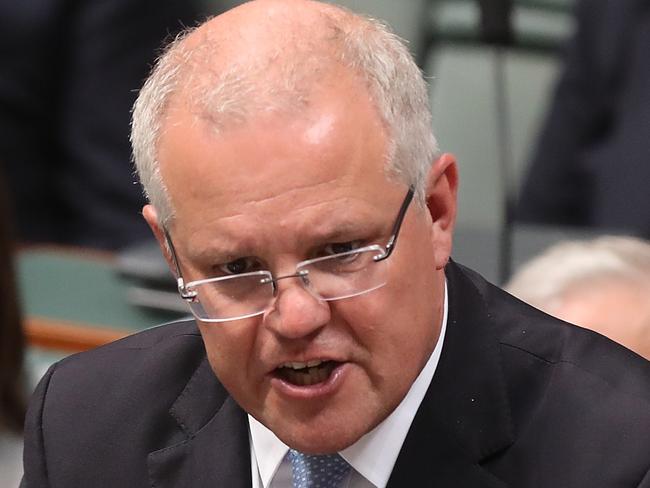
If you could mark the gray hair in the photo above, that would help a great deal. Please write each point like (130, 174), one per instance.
(365, 45)
(547, 278)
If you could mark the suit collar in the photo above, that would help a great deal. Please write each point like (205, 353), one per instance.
(465, 415)
(216, 450)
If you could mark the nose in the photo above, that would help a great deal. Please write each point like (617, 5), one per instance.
(296, 312)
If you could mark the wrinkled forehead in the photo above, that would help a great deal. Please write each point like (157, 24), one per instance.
(334, 143)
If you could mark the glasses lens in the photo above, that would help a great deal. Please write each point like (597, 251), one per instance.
(347, 274)
(231, 298)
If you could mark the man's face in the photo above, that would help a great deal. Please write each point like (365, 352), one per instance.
(282, 188)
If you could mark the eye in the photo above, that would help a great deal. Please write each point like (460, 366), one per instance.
(340, 247)
(239, 266)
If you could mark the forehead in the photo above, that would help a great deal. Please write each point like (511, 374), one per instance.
(333, 148)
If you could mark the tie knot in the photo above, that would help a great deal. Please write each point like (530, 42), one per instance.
(323, 471)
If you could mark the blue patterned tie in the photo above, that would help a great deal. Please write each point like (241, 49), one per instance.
(326, 471)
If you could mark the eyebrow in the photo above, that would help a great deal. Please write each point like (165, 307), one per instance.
(232, 247)
(340, 230)
(221, 250)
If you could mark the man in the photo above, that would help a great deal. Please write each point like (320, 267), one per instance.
(280, 146)
(602, 284)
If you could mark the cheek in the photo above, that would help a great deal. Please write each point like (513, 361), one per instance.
(407, 318)
(391, 352)
(392, 326)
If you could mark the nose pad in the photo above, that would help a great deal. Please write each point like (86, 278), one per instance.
(296, 310)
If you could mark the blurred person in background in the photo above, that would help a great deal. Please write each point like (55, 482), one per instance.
(12, 390)
(70, 73)
(601, 284)
(592, 163)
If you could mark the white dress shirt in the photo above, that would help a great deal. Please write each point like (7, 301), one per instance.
(372, 457)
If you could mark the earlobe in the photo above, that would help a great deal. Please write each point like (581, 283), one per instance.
(441, 190)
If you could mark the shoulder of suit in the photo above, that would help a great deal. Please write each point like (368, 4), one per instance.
(179, 334)
(526, 331)
(157, 359)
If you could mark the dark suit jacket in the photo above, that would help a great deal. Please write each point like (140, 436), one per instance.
(592, 164)
(518, 400)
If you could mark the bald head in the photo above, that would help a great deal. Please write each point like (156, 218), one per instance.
(266, 55)
(265, 29)
(266, 33)
(269, 56)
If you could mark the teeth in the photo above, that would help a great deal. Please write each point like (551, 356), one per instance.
(297, 365)
(306, 374)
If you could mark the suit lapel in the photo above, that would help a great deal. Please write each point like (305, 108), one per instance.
(216, 451)
(465, 415)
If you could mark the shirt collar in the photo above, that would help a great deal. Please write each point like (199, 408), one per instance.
(373, 455)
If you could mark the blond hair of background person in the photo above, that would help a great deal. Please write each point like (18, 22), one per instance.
(601, 284)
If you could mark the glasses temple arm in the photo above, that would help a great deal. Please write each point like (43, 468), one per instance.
(180, 282)
(390, 245)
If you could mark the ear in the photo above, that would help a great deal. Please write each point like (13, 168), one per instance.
(441, 191)
(151, 216)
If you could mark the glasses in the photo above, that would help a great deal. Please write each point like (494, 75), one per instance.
(332, 277)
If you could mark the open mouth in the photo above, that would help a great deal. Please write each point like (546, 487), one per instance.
(306, 374)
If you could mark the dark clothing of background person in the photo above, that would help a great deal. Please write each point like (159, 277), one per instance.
(70, 71)
(592, 166)
(12, 342)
